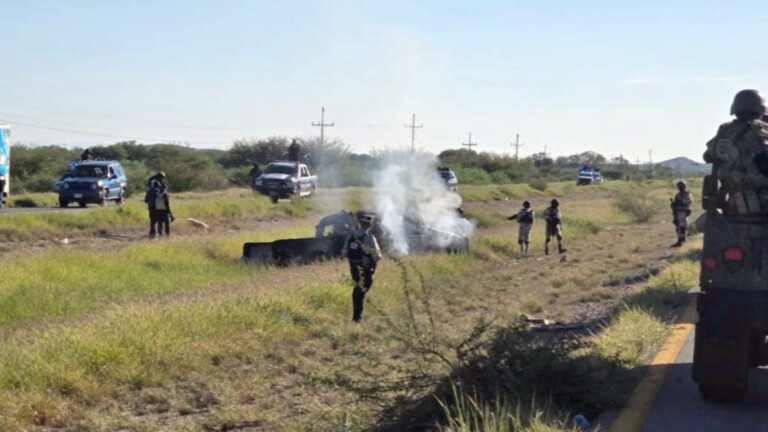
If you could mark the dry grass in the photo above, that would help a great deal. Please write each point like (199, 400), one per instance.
(178, 335)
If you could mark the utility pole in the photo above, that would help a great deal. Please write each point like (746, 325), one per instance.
(413, 128)
(650, 160)
(517, 145)
(469, 144)
(322, 125)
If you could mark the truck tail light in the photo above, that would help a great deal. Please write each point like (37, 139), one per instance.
(733, 258)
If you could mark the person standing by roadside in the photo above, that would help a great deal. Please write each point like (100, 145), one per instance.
(525, 219)
(554, 226)
(163, 212)
(681, 209)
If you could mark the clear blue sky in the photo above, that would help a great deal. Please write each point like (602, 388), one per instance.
(614, 77)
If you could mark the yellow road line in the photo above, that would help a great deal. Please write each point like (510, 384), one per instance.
(632, 417)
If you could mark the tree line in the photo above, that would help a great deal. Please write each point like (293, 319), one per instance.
(36, 168)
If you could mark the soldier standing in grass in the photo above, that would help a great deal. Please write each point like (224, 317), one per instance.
(681, 209)
(525, 219)
(554, 226)
(159, 206)
(363, 253)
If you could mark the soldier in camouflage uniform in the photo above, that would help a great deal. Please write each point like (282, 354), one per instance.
(362, 250)
(554, 226)
(738, 153)
(525, 218)
(681, 209)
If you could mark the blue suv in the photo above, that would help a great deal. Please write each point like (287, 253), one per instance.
(95, 183)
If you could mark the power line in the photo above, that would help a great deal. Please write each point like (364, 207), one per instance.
(99, 134)
(413, 128)
(469, 143)
(517, 145)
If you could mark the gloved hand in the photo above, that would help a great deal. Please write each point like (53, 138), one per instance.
(173, 218)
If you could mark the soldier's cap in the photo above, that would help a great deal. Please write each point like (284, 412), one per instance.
(526, 203)
(682, 183)
(554, 202)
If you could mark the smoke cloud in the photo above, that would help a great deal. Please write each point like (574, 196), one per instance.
(417, 211)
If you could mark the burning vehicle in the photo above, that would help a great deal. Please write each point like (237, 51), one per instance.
(323, 246)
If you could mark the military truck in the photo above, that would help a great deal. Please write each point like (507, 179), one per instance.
(733, 302)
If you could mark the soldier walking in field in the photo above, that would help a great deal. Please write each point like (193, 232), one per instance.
(525, 219)
(554, 226)
(363, 254)
(681, 209)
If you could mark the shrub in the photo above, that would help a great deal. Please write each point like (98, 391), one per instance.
(538, 183)
(473, 176)
(500, 177)
(637, 204)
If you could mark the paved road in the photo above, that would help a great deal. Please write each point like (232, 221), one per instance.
(679, 408)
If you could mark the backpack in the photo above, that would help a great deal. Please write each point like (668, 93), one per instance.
(527, 217)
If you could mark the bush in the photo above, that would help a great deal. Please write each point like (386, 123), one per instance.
(538, 183)
(637, 204)
(499, 177)
(472, 176)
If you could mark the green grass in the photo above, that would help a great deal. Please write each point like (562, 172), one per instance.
(130, 338)
(68, 282)
(224, 205)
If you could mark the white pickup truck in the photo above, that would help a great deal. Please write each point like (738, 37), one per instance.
(283, 179)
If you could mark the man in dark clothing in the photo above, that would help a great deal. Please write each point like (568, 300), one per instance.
(87, 155)
(363, 253)
(293, 151)
(254, 174)
(158, 178)
(159, 206)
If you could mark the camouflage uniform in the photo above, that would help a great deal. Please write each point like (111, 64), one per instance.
(362, 250)
(738, 152)
(525, 220)
(681, 209)
(554, 226)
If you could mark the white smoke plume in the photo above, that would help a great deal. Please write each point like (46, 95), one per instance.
(411, 198)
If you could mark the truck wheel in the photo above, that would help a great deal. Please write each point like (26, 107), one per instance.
(63, 203)
(721, 393)
(82, 204)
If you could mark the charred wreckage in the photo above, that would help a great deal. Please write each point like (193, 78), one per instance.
(420, 238)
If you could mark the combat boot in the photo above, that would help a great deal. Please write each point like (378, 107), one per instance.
(561, 249)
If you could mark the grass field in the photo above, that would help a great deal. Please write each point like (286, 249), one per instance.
(179, 335)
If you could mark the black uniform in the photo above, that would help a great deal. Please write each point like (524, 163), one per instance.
(363, 253)
(87, 155)
(293, 151)
(160, 215)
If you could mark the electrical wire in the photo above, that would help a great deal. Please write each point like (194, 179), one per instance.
(99, 134)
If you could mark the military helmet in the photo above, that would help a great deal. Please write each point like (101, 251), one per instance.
(526, 204)
(682, 184)
(554, 202)
(748, 101)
